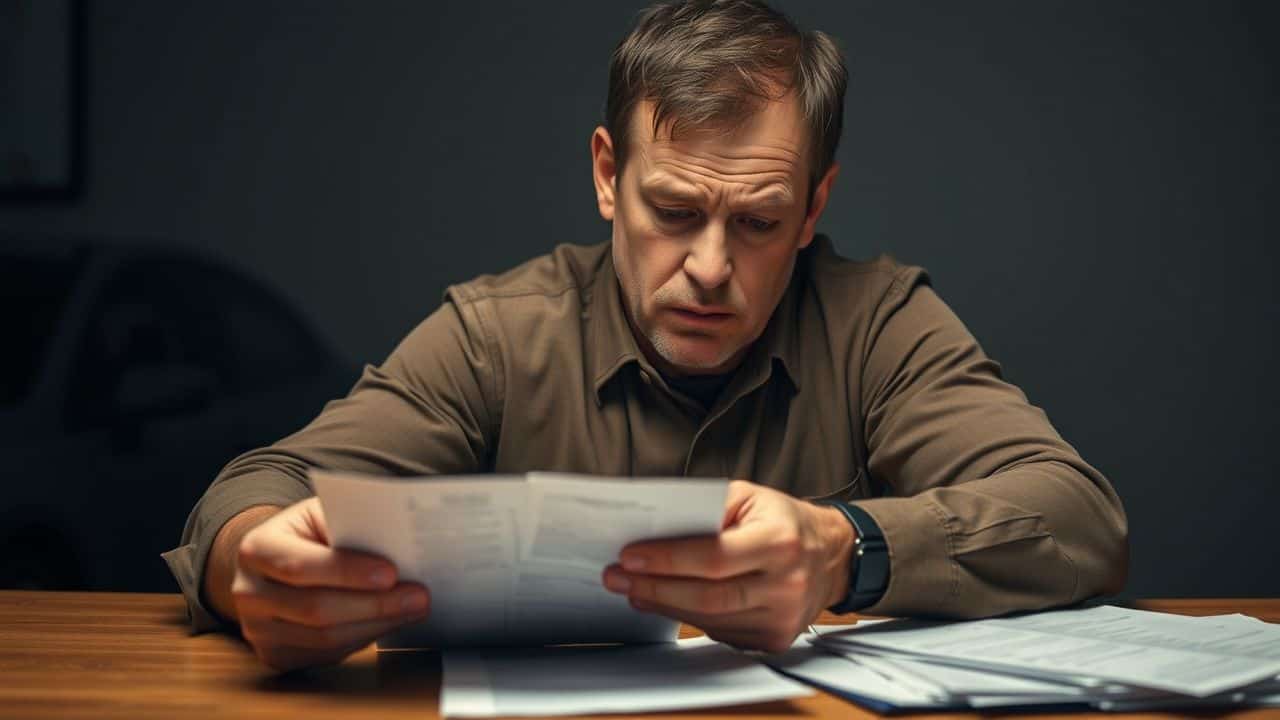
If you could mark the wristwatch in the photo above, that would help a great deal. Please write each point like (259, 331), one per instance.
(868, 563)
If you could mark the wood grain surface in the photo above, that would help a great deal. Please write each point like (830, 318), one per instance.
(122, 655)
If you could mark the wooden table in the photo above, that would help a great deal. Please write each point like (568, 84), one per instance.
(118, 655)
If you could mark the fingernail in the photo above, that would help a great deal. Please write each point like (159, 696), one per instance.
(617, 582)
(633, 562)
(381, 576)
(414, 602)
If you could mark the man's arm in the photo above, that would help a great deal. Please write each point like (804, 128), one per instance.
(221, 567)
(429, 409)
(991, 510)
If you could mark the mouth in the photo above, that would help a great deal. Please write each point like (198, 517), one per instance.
(701, 316)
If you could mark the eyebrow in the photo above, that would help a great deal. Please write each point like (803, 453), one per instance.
(772, 195)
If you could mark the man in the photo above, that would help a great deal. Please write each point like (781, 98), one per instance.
(715, 335)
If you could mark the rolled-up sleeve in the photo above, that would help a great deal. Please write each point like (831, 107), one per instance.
(988, 509)
(226, 498)
(429, 409)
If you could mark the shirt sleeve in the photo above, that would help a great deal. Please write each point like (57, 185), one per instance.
(989, 510)
(431, 408)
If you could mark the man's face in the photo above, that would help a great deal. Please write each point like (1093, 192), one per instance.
(705, 232)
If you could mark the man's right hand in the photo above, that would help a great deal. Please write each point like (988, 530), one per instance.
(301, 602)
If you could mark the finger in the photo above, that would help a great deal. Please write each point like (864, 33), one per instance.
(285, 658)
(316, 607)
(750, 630)
(708, 597)
(275, 632)
(756, 640)
(294, 560)
(739, 550)
(749, 621)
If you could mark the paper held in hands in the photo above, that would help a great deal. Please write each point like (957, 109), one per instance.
(516, 559)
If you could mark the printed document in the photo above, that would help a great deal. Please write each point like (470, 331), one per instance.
(517, 559)
(901, 683)
(1092, 647)
(889, 681)
(692, 673)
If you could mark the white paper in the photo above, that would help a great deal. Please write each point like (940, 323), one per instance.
(516, 560)
(875, 675)
(693, 673)
(909, 683)
(1189, 656)
(840, 673)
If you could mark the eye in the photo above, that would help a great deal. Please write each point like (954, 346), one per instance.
(756, 224)
(675, 214)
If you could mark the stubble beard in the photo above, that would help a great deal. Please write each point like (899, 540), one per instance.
(669, 349)
(660, 340)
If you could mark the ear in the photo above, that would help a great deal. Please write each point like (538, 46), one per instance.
(820, 195)
(604, 171)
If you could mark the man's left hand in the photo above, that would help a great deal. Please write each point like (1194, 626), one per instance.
(776, 563)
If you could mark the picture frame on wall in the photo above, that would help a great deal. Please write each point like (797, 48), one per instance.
(41, 101)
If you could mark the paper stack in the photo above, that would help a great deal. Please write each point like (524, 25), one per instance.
(573, 680)
(1101, 658)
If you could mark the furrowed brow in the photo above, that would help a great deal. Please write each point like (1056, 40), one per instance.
(774, 197)
(771, 196)
(667, 189)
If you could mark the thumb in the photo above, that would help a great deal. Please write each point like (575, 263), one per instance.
(738, 503)
(307, 521)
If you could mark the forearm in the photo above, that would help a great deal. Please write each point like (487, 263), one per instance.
(416, 415)
(220, 569)
(991, 510)
(1038, 535)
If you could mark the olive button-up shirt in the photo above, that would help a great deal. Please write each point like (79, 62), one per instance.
(864, 386)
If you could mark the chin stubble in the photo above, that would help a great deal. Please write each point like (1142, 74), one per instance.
(666, 347)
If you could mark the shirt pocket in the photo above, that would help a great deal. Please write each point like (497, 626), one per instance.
(850, 491)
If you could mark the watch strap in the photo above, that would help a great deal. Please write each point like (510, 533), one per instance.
(868, 562)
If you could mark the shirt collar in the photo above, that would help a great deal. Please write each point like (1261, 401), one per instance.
(612, 346)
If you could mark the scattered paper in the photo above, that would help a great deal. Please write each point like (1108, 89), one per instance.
(900, 683)
(1093, 647)
(889, 681)
(692, 673)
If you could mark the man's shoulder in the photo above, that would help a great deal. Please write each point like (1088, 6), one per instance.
(566, 269)
(852, 282)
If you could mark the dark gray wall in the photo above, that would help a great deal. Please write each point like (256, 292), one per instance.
(1092, 184)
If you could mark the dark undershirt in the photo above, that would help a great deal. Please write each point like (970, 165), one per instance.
(702, 389)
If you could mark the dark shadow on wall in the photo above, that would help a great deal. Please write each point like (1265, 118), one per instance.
(1091, 185)
(132, 373)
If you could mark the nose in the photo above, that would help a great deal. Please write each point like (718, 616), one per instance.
(708, 262)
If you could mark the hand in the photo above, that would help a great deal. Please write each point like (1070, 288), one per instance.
(301, 602)
(775, 565)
